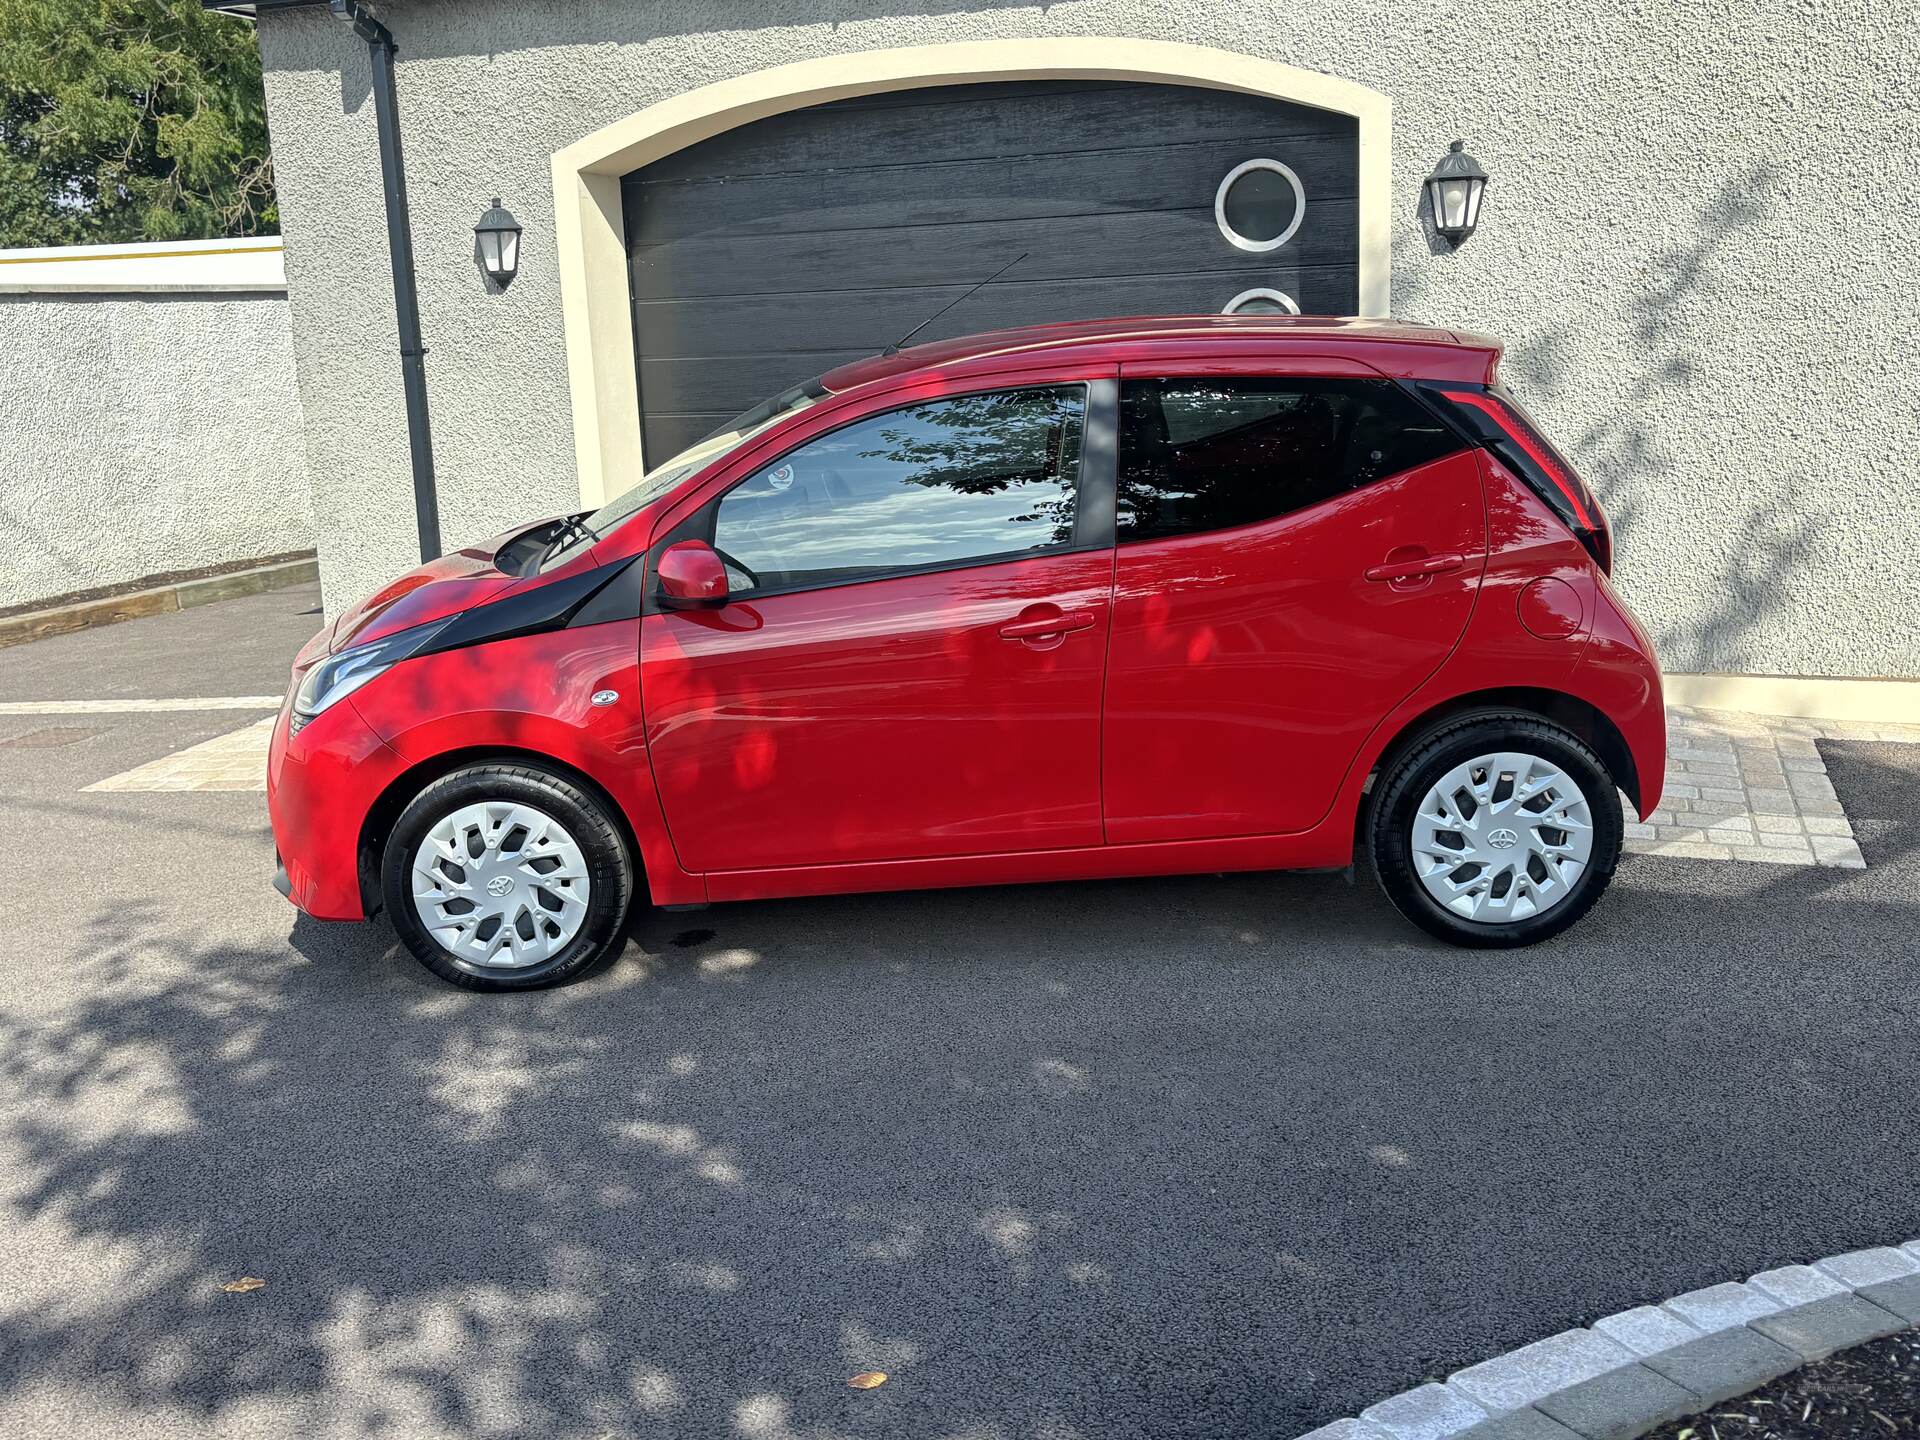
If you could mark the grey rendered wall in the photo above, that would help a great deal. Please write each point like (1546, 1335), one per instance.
(141, 434)
(1688, 247)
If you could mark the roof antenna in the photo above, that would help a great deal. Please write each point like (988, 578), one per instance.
(894, 348)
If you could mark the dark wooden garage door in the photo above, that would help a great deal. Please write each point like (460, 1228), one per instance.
(777, 250)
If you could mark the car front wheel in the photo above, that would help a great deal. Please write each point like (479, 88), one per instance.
(507, 877)
(1497, 830)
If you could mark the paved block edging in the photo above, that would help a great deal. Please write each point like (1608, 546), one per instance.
(84, 613)
(1627, 1373)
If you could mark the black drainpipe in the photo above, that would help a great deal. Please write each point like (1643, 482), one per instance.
(406, 299)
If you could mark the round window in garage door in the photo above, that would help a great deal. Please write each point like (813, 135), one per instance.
(1259, 205)
(1261, 301)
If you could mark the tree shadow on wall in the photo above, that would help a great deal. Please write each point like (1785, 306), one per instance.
(1632, 406)
(1751, 545)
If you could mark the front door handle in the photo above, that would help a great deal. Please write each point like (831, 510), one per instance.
(1416, 568)
(1042, 626)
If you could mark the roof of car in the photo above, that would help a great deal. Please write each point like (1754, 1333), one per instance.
(1159, 334)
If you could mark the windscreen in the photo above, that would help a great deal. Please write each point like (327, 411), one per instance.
(662, 478)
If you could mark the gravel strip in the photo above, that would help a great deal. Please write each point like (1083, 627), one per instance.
(1870, 1390)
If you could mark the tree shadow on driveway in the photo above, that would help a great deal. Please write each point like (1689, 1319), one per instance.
(1193, 1156)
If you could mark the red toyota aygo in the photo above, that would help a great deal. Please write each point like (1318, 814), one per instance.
(1131, 597)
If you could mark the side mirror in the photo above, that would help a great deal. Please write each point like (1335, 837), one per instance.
(691, 576)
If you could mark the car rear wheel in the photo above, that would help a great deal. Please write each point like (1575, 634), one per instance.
(1496, 830)
(507, 877)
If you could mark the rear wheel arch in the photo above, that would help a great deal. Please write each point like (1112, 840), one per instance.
(400, 792)
(1585, 721)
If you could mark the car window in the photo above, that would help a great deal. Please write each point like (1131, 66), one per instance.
(970, 477)
(1212, 453)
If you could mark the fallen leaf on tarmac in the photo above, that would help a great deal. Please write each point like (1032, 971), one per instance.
(868, 1379)
(243, 1284)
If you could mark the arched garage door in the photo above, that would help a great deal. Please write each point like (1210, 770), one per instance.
(787, 246)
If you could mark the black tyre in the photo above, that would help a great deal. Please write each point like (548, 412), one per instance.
(1495, 830)
(507, 877)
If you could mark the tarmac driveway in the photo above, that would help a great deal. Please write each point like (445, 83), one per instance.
(1211, 1156)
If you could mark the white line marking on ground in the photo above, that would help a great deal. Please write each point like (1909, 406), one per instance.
(137, 707)
(234, 761)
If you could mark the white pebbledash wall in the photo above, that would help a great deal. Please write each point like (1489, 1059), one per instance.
(1689, 246)
(149, 419)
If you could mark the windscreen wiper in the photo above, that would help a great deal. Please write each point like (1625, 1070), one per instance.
(569, 526)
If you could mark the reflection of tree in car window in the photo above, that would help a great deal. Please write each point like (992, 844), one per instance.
(972, 477)
(984, 444)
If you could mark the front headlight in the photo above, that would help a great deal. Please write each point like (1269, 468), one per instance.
(340, 675)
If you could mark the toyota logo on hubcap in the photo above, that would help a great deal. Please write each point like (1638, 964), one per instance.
(1503, 839)
(501, 884)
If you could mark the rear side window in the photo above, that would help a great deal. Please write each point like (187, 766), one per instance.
(1214, 452)
(948, 482)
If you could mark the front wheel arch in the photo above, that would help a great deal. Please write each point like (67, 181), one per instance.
(400, 792)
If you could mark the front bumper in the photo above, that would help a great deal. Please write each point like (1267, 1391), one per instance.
(321, 784)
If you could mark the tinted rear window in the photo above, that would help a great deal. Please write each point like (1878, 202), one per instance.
(1212, 453)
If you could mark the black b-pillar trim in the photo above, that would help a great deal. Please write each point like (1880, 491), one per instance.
(1094, 502)
(406, 299)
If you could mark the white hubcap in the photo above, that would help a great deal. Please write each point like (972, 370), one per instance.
(500, 885)
(1502, 838)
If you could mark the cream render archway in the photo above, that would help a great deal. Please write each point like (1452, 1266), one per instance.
(590, 229)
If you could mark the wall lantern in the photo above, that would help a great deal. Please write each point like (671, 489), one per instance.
(496, 243)
(1454, 191)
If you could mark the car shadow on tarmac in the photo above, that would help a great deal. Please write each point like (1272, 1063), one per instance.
(1198, 1156)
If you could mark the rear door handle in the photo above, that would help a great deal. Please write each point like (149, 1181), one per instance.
(1047, 625)
(1416, 569)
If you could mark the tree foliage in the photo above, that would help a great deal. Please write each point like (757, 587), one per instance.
(130, 120)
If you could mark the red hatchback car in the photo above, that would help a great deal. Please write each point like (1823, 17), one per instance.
(1120, 598)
